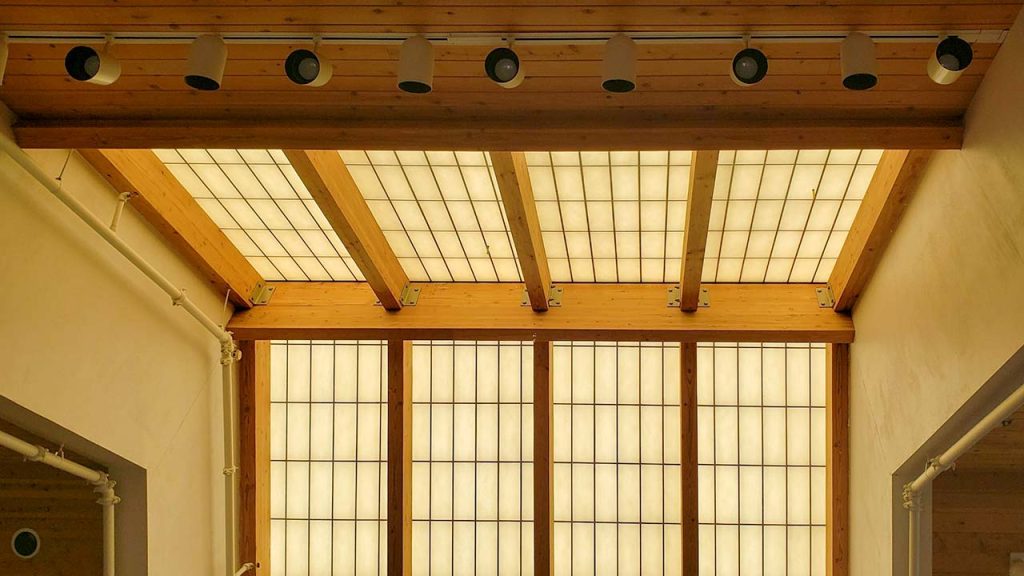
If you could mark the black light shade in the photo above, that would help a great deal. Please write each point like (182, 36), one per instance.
(749, 66)
(502, 66)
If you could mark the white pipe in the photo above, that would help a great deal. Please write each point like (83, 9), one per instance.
(913, 490)
(101, 482)
(229, 352)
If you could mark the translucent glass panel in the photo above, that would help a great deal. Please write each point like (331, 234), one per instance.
(616, 452)
(258, 200)
(441, 213)
(761, 455)
(472, 458)
(328, 425)
(611, 216)
(783, 215)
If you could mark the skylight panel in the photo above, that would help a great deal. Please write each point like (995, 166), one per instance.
(783, 215)
(440, 211)
(260, 203)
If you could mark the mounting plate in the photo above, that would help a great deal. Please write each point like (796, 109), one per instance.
(825, 297)
(554, 297)
(703, 297)
(261, 294)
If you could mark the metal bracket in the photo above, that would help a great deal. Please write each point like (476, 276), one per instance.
(261, 294)
(554, 297)
(703, 297)
(825, 297)
(410, 295)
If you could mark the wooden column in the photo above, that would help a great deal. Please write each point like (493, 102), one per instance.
(543, 466)
(689, 559)
(837, 461)
(399, 458)
(254, 454)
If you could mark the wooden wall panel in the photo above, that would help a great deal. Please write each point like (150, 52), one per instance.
(62, 509)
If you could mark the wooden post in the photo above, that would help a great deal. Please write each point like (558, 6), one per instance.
(689, 558)
(254, 454)
(837, 461)
(543, 466)
(399, 458)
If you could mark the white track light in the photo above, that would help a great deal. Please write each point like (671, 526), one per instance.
(308, 68)
(86, 64)
(502, 65)
(951, 57)
(206, 61)
(416, 66)
(619, 64)
(749, 67)
(3, 57)
(857, 62)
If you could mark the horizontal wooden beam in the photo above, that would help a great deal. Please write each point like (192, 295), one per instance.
(484, 311)
(169, 208)
(596, 131)
(888, 195)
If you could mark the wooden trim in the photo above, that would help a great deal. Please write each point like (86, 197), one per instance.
(332, 187)
(888, 195)
(689, 538)
(837, 462)
(399, 458)
(169, 208)
(254, 454)
(513, 177)
(589, 132)
(481, 311)
(543, 460)
(703, 169)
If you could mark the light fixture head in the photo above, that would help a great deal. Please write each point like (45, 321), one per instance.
(857, 62)
(307, 68)
(502, 65)
(206, 61)
(416, 66)
(749, 67)
(619, 64)
(86, 64)
(951, 57)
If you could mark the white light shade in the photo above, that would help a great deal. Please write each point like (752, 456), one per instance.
(3, 58)
(859, 68)
(206, 61)
(619, 64)
(416, 66)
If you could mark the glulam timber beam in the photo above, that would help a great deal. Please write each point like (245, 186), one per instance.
(492, 311)
(513, 177)
(169, 208)
(543, 460)
(889, 192)
(689, 499)
(837, 460)
(703, 169)
(336, 193)
(399, 554)
(254, 454)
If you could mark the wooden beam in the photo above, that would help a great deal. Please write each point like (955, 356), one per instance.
(479, 311)
(169, 208)
(703, 169)
(254, 454)
(543, 461)
(837, 461)
(888, 195)
(689, 538)
(590, 132)
(332, 187)
(513, 177)
(399, 458)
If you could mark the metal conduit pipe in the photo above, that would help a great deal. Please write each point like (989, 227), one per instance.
(912, 491)
(102, 484)
(229, 351)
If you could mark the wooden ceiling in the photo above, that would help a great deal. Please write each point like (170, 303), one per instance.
(800, 103)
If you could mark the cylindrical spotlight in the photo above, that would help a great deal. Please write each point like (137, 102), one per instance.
(857, 62)
(206, 61)
(416, 66)
(619, 64)
(951, 57)
(307, 68)
(86, 64)
(749, 67)
(502, 66)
